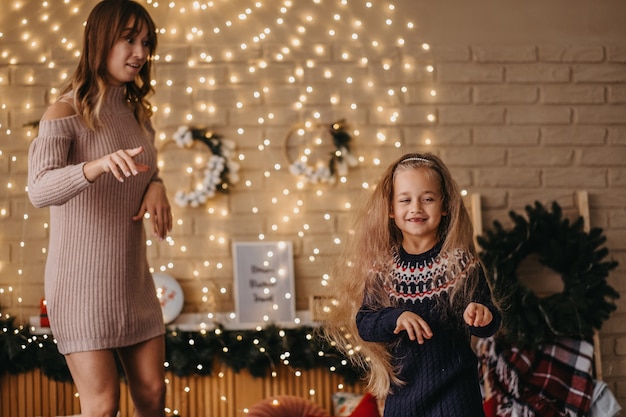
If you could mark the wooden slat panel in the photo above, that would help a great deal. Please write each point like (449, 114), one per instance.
(62, 398)
(29, 382)
(228, 406)
(125, 400)
(582, 202)
(4, 397)
(252, 393)
(207, 389)
(169, 393)
(37, 393)
(183, 398)
(12, 385)
(224, 394)
(52, 396)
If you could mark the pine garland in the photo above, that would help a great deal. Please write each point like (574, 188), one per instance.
(193, 353)
(586, 300)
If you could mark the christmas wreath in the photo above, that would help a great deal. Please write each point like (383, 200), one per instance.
(220, 171)
(339, 161)
(586, 300)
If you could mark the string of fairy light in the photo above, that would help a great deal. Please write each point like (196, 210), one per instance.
(354, 46)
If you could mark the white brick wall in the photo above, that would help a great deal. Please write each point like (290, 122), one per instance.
(516, 122)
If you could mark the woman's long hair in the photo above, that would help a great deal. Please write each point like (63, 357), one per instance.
(362, 273)
(105, 25)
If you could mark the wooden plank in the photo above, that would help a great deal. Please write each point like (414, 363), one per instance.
(45, 396)
(195, 397)
(183, 404)
(190, 395)
(20, 395)
(212, 392)
(301, 390)
(69, 398)
(13, 410)
(253, 392)
(75, 400)
(217, 392)
(63, 399)
(54, 409)
(183, 397)
(582, 202)
(207, 394)
(29, 387)
(175, 394)
(124, 399)
(227, 401)
(326, 390)
(37, 392)
(476, 214)
(169, 401)
(267, 384)
(4, 395)
(318, 386)
(203, 400)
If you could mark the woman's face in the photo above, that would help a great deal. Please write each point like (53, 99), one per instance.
(417, 208)
(128, 55)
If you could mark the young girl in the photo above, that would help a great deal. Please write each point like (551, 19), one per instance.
(411, 291)
(94, 164)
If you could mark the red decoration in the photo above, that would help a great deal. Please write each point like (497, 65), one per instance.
(286, 406)
(43, 314)
(367, 407)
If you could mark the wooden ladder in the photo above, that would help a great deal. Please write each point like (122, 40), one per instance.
(582, 204)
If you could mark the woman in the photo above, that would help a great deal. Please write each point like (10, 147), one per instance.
(94, 164)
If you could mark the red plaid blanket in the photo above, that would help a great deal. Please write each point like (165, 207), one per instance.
(555, 380)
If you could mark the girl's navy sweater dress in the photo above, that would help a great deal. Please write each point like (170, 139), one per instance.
(441, 375)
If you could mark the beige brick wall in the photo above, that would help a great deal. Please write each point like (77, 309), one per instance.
(534, 113)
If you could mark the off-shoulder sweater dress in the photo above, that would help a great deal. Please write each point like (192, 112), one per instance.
(98, 287)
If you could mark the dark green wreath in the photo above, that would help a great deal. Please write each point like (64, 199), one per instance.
(586, 300)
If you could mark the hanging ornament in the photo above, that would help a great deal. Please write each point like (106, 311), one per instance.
(323, 170)
(220, 170)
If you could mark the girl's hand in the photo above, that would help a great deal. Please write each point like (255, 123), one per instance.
(155, 203)
(477, 315)
(415, 327)
(119, 163)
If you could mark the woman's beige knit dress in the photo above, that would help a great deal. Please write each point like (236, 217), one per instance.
(99, 290)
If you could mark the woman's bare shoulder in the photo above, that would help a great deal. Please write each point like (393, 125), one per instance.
(59, 110)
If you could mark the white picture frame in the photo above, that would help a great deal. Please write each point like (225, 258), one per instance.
(264, 283)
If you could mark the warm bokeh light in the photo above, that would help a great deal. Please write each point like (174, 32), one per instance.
(270, 78)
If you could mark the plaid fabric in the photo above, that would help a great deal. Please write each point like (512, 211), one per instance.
(554, 380)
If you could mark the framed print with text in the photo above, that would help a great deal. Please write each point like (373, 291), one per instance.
(264, 283)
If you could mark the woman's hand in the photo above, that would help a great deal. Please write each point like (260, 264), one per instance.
(477, 315)
(415, 327)
(156, 204)
(119, 163)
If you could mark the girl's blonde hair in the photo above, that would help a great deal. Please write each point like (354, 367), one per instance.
(363, 271)
(106, 24)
